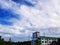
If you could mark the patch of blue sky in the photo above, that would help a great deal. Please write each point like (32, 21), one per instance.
(6, 15)
(6, 22)
(24, 2)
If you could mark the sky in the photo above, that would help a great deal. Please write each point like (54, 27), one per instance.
(20, 18)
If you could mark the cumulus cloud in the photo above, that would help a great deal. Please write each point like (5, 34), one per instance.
(30, 16)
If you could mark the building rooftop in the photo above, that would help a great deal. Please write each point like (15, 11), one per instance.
(48, 37)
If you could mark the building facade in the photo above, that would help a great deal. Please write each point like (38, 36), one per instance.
(42, 39)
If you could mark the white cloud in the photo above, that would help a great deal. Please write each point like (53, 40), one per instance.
(44, 14)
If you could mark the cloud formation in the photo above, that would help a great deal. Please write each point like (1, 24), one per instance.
(27, 16)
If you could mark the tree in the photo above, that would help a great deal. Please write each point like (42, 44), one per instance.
(58, 42)
(53, 43)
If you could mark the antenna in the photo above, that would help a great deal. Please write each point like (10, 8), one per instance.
(44, 34)
(29, 37)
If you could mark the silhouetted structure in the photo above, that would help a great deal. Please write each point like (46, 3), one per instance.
(37, 40)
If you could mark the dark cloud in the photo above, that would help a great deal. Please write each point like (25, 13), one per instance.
(16, 39)
(6, 33)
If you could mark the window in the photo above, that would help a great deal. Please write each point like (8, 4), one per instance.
(45, 41)
(42, 41)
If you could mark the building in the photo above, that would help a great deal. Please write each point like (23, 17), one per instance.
(42, 39)
(36, 35)
(47, 40)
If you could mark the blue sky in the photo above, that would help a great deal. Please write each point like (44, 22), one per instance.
(20, 18)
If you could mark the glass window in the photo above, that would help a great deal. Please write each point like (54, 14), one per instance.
(45, 41)
(42, 41)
